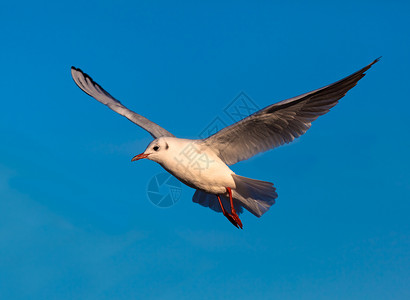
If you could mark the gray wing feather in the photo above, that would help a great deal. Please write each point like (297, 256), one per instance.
(88, 85)
(279, 123)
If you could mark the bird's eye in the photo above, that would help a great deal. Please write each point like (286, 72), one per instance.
(156, 148)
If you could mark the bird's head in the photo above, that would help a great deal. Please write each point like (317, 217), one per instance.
(155, 150)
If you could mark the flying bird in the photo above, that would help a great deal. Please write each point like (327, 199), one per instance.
(203, 164)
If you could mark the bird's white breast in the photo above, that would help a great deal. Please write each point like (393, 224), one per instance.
(197, 166)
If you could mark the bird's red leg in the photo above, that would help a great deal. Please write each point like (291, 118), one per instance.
(233, 212)
(228, 216)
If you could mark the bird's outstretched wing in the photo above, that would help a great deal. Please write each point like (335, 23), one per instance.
(279, 123)
(88, 85)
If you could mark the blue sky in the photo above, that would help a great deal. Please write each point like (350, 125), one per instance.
(75, 219)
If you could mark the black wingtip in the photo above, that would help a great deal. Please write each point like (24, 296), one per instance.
(376, 60)
(365, 69)
(80, 71)
(76, 69)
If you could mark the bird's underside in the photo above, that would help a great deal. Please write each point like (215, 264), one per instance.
(268, 128)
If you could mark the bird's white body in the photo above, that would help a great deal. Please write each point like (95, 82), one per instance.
(193, 163)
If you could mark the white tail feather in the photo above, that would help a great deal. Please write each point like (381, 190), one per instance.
(255, 195)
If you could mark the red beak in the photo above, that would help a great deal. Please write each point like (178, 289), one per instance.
(139, 156)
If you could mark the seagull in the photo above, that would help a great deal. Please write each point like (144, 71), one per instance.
(203, 164)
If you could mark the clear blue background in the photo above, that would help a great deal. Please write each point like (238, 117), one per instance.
(75, 220)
